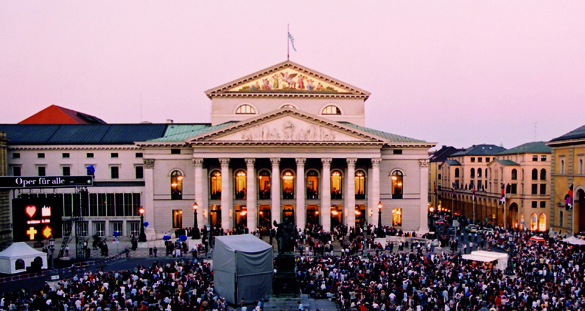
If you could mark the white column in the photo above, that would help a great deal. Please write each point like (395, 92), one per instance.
(275, 190)
(300, 210)
(375, 194)
(350, 193)
(424, 189)
(251, 193)
(199, 197)
(226, 195)
(148, 203)
(326, 194)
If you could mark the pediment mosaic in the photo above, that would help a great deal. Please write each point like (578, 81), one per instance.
(287, 80)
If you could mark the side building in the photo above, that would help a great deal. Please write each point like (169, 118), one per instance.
(436, 162)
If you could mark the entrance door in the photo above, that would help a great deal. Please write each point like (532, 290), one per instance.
(264, 216)
(336, 213)
(215, 216)
(312, 215)
(288, 214)
(360, 215)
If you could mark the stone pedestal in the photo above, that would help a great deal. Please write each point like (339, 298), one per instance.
(285, 279)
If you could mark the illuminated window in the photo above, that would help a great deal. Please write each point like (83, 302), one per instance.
(215, 186)
(533, 222)
(288, 185)
(360, 185)
(176, 185)
(396, 217)
(312, 185)
(264, 185)
(241, 217)
(177, 218)
(397, 188)
(331, 110)
(542, 223)
(240, 185)
(336, 185)
(245, 109)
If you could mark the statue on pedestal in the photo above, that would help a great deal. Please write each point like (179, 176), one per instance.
(286, 237)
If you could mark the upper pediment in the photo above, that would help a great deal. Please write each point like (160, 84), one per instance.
(287, 126)
(287, 79)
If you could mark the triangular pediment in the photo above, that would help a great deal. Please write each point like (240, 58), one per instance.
(287, 125)
(288, 79)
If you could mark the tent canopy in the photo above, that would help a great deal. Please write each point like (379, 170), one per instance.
(20, 249)
(574, 241)
(485, 256)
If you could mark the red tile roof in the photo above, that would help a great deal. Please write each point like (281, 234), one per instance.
(58, 115)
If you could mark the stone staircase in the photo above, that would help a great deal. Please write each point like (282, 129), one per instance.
(292, 303)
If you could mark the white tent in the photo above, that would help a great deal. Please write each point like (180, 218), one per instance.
(574, 240)
(485, 256)
(18, 256)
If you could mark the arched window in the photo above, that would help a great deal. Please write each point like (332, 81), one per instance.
(543, 174)
(514, 174)
(19, 264)
(215, 185)
(360, 185)
(240, 184)
(534, 174)
(245, 109)
(331, 110)
(288, 106)
(479, 172)
(561, 218)
(336, 185)
(472, 173)
(312, 185)
(397, 189)
(533, 222)
(176, 185)
(542, 222)
(457, 172)
(264, 185)
(288, 185)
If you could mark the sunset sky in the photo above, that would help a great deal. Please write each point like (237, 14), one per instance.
(456, 73)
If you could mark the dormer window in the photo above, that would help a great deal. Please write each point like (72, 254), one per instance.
(245, 109)
(331, 110)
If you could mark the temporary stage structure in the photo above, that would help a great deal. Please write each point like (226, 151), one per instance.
(485, 256)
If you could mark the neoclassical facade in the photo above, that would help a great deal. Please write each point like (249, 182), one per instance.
(286, 143)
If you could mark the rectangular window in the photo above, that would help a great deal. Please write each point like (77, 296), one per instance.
(534, 158)
(89, 155)
(561, 218)
(110, 204)
(116, 226)
(66, 171)
(542, 204)
(177, 218)
(65, 155)
(113, 155)
(128, 204)
(543, 189)
(139, 169)
(119, 204)
(16, 171)
(534, 204)
(139, 154)
(480, 159)
(41, 155)
(93, 204)
(487, 159)
(83, 227)
(397, 151)
(41, 170)
(397, 217)
(134, 227)
(562, 165)
(114, 172)
(175, 151)
(101, 204)
(16, 155)
(514, 189)
(472, 159)
(534, 189)
(543, 158)
(99, 228)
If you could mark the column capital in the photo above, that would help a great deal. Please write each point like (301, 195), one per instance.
(148, 163)
(376, 162)
(250, 161)
(351, 161)
(275, 161)
(224, 162)
(423, 162)
(198, 162)
(326, 161)
(301, 161)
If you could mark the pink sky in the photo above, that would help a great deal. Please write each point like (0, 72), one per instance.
(453, 72)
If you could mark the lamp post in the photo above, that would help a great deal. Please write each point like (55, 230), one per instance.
(141, 236)
(509, 269)
(195, 227)
(381, 233)
(52, 249)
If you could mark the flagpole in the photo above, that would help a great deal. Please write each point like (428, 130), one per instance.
(287, 42)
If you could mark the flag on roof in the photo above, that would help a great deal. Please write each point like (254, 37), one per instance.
(292, 41)
(503, 197)
(569, 199)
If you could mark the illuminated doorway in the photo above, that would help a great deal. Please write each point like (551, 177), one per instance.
(336, 215)
(312, 214)
(264, 216)
(360, 215)
(241, 217)
(215, 216)
(288, 214)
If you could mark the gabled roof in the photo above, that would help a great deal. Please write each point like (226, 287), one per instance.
(453, 162)
(575, 135)
(479, 150)
(442, 154)
(532, 147)
(20, 249)
(59, 115)
(507, 162)
(287, 79)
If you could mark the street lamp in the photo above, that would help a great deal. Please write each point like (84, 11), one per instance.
(381, 233)
(509, 269)
(195, 227)
(52, 249)
(142, 236)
